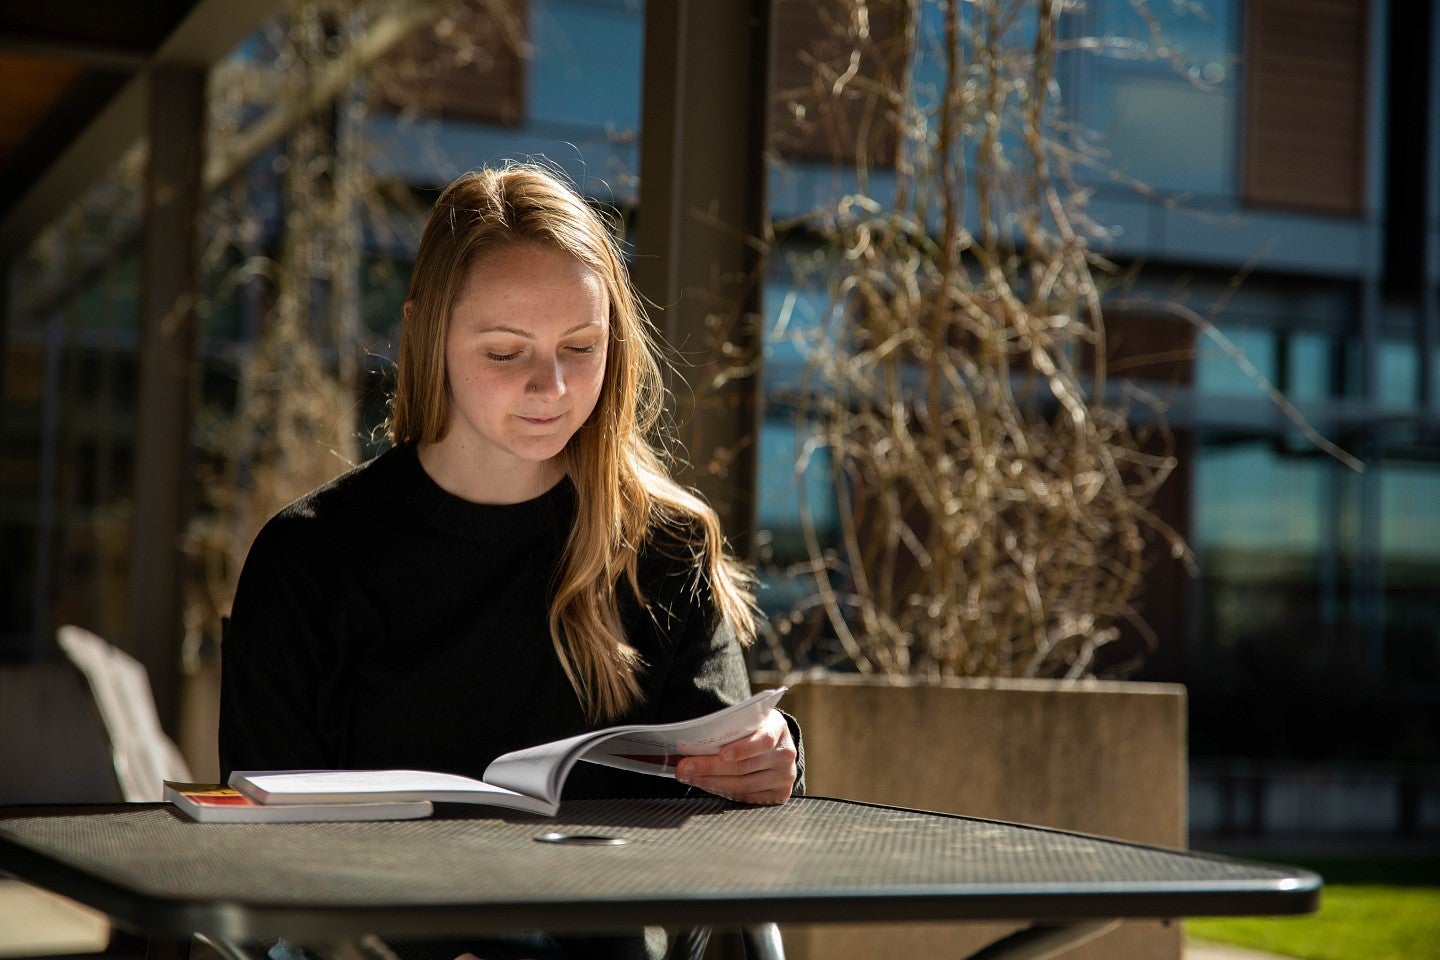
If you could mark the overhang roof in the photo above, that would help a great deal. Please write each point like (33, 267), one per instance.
(72, 90)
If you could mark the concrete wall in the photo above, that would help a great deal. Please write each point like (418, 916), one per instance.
(53, 747)
(1096, 757)
(200, 721)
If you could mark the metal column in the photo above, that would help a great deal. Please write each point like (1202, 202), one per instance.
(702, 212)
(164, 469)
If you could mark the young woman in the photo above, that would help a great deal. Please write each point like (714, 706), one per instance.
(519, 566)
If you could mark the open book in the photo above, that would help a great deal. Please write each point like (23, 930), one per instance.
(530, 779)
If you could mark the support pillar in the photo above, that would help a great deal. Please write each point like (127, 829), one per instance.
(702, 212)
(164, 462)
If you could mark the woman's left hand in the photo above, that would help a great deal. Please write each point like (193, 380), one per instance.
(759, 768)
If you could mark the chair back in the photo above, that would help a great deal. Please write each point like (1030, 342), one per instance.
(144, 756)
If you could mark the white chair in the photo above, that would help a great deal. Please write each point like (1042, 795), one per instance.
(144, 755)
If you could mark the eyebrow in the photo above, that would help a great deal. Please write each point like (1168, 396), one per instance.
(526, 334)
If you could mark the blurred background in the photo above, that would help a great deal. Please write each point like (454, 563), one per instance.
(208, 210)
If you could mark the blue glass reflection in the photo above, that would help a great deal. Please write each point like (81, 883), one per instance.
(1164, 102)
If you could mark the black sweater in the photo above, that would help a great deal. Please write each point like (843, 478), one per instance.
(381, 622)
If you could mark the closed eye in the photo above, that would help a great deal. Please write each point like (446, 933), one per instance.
(503, 357)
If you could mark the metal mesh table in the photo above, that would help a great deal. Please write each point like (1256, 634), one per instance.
(681, 862)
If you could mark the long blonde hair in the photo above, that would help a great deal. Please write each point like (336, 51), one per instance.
(624, 490)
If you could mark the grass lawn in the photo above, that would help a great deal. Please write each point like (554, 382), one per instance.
(1372, 908)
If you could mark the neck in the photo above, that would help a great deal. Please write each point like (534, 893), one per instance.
(489, 483)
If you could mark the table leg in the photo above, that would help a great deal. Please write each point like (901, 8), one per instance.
(229, 950)
(1042, 941)
(762, 942)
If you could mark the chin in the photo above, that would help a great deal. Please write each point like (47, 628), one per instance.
(537, 453)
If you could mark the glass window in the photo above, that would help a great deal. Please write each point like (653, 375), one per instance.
(1270, 602)
(1435, 378)
(1164, 102)
(1216, 371)
(108, 299)
(1251, 502)
(1399, 374)
(1410, 505)
(797, 305)
(587, 63)
(795, 483)
(384, 281)
(794, 476)
(794, 488)
(1309, 362)
(1410, 550)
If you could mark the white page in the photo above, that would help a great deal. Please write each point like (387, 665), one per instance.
(541, 771)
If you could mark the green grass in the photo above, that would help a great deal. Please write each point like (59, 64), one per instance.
(1370, 909)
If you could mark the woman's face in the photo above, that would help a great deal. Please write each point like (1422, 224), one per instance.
(525, 356)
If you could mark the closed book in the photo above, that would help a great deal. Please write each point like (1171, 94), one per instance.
(216, 803)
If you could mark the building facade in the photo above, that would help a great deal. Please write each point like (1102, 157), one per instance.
(1273, 168)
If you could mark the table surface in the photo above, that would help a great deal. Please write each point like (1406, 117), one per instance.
(683, 862)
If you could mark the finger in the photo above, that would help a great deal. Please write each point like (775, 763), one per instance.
(772, 734)
(723, 764)
(756, 744)
(756, 779)
(765, 787)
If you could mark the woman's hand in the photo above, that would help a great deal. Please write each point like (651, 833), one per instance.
(759, 768)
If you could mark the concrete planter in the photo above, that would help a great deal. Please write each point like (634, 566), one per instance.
(1097, 757)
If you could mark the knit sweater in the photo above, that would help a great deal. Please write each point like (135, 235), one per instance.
(381, 622)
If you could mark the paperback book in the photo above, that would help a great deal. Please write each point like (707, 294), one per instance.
(217, 803)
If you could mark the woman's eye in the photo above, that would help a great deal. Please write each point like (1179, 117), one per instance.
(585, 350)
(503, 357)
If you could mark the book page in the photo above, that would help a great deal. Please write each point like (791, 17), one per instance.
(645, 748)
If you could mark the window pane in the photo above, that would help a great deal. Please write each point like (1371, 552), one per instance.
(1252, 502)
(1217, 373)
(792, 489)
(1399, 374)
(1309, 365)
(1410, 545)
(795, 305)
(1165, 104)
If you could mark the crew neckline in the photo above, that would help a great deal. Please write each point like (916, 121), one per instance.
(438, 507)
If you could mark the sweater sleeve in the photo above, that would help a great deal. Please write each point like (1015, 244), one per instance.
(271, 653)
(708, 669)
(715, 663)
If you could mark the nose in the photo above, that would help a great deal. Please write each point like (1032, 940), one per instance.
(546, 379)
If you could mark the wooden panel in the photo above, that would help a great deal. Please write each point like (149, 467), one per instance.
(29, 87)
(81, 26)
(831, 71)
(1157, 349)
(480, 77)
(1306, 64)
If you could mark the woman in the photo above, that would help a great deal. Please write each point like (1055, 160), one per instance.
(519, 566)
